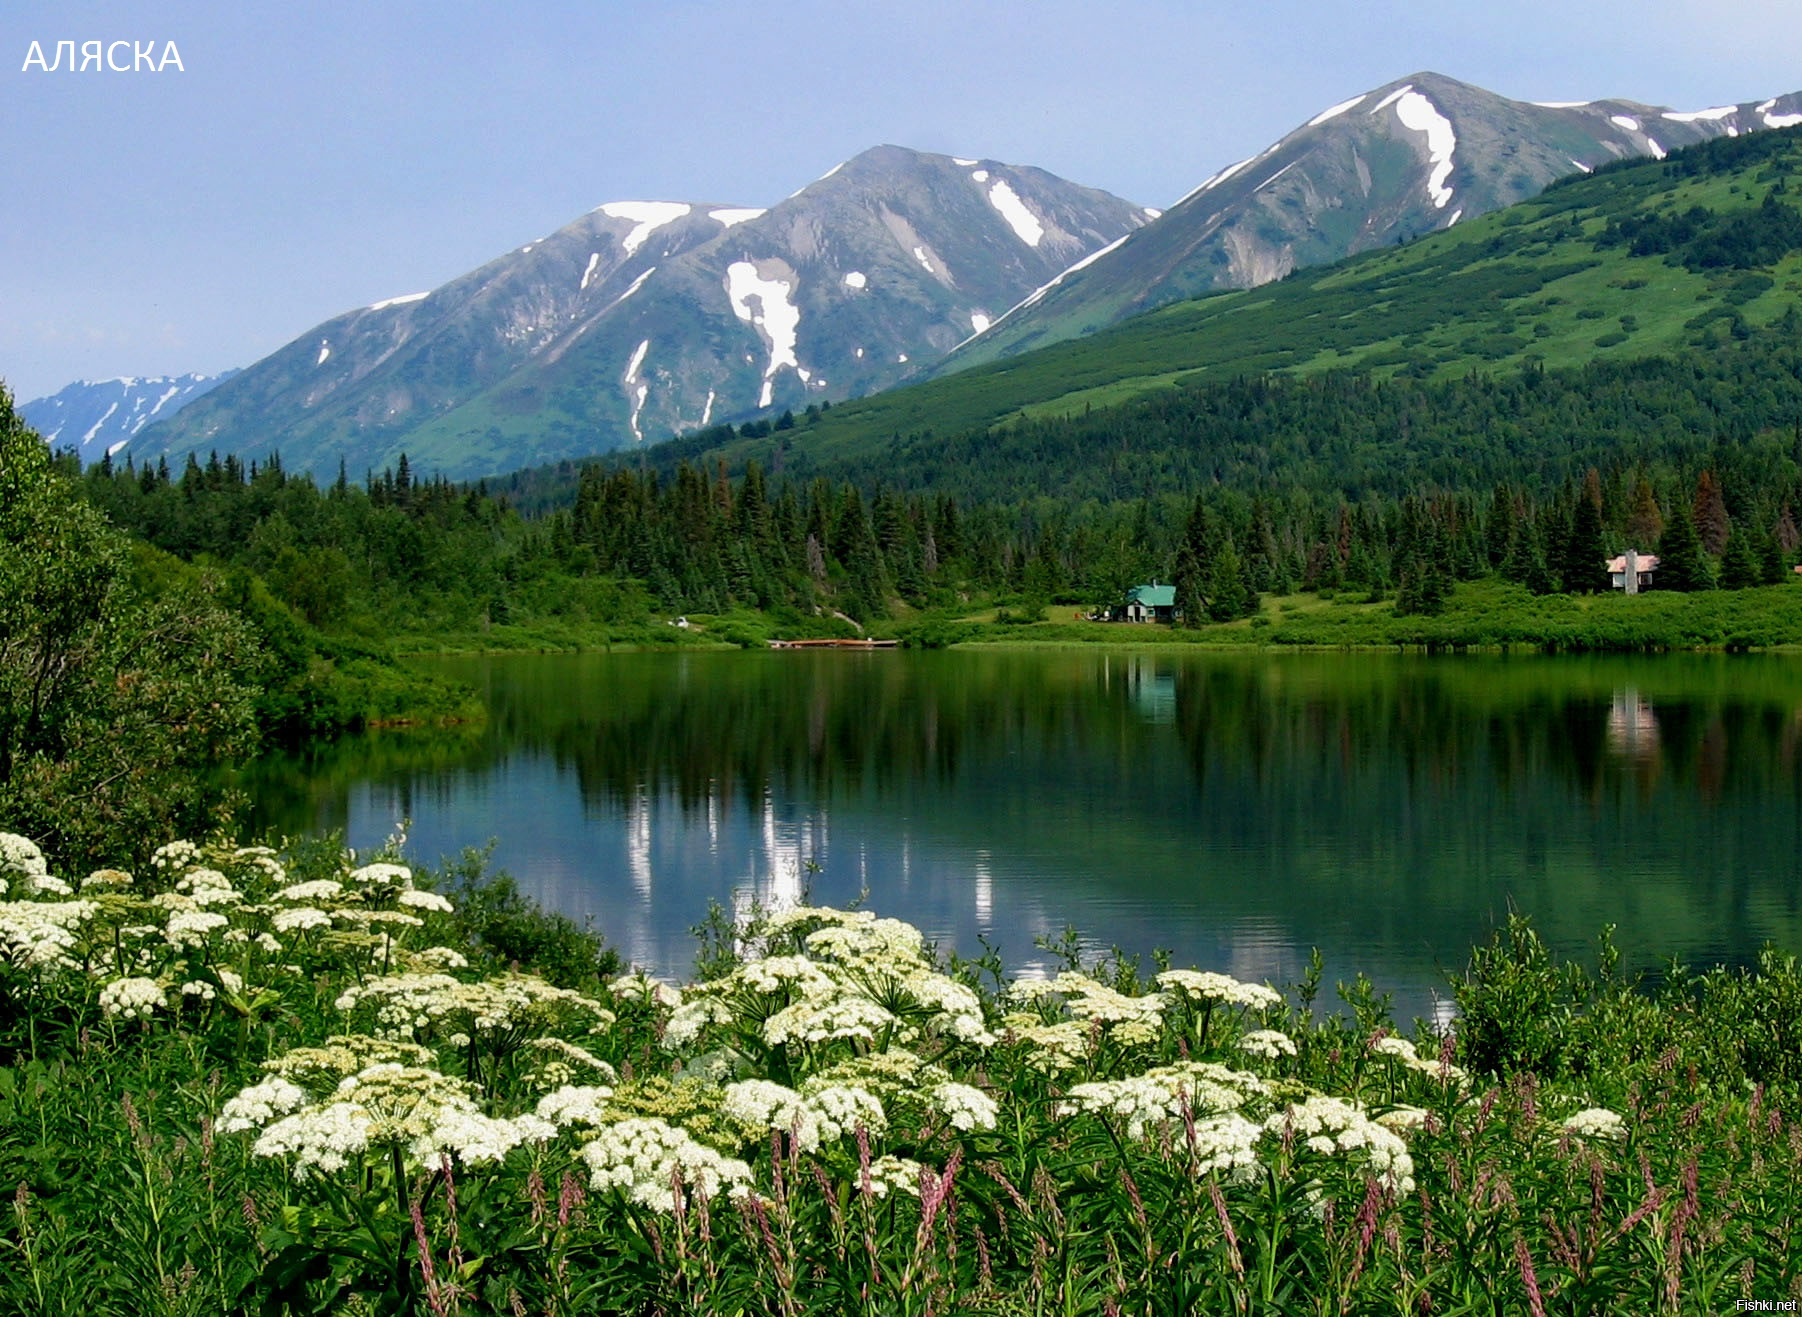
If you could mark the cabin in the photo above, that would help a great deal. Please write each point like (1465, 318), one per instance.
(1148, 603)
(1632, 571)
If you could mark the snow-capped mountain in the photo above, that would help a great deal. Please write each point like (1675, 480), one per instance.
(643, 319)
(101, 417)
(1408, 158)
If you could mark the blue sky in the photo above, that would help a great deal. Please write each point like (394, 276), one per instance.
(316, 156)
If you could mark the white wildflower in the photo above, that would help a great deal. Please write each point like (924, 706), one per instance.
(199, 988)
(131, 998)
(175, 855)
(191, 928)
(1267, 1043)
(1329, 1125)
(319, 889)
(1207, 986)
(1596, 1123)
(256, 1106)
(575, 1104)
(300, 918)
(640, 1157)
(890, 1173)
(382, 875)
(420, 899)
(965, 1107)
(1159, 1097)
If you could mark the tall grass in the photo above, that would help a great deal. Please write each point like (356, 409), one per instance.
(377, 1106)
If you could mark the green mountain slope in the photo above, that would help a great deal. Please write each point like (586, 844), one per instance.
(1640, 259)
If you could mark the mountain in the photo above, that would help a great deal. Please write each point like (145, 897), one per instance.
(643, 319)
(100, 417)
(1415, 156)
(1646, 271)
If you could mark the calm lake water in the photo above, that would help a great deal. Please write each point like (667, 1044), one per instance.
(1237, 810)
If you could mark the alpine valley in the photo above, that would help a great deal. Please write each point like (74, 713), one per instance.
(644, 320)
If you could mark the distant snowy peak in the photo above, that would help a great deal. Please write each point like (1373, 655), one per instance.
(642, 319)
(1419, 154)
(99, 418)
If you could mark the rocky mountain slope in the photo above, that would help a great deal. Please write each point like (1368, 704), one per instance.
(643, 319)
(1412, 157)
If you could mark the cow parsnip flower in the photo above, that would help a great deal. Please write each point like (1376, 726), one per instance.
(1157, 1099)
(1208, 986)
(576, 1104)
(43, 935)
(1329, 1126)
(1596, 1123)
(966, 1107)
(318, 889)
(642, 1155)
(131, 999)
(1270, 1044)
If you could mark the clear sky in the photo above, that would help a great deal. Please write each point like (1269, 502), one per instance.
(322, 154)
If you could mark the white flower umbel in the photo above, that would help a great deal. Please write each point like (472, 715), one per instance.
(1267, 1043)
(382, 875)
(1596, 1123)
(1051, 1048)
(816, 1020)
(131, 999)
(405, 1003)
(419, 899)
(1329, 1126)
(967, 1108)
(1207, 986)
(642, 1156)
(824, 1115)
(890, 1173)
(642, 987)
(43, 935)
(258, 1105)
(576, 1104)
(193, 928)
(1157, 1098)
(299, 919)
(1403, 1052)
(416, 1111)
(319, 889)
(19, 858)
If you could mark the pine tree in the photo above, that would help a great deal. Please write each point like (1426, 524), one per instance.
(1681, 563)
(1710, 510)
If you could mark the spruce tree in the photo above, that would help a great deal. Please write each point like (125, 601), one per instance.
(1681, 562)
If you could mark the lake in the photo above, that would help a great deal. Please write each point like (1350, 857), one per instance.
(1234, 809)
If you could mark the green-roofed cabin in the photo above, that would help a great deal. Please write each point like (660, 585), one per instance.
(1148, 603)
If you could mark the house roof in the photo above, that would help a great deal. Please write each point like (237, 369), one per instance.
(1152, 596)
(1648, 562)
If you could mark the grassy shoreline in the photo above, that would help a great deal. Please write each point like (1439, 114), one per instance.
(223, 1090)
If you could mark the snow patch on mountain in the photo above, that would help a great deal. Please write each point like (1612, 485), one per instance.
(1022, 221)
(1691, 116)
(856, 279)
(775, 315)
(1038, 294)
(1392, 98)
(1656, 150)
(637, 389)
(95, 429)
(325, 350)
(594, 259)
(925, 260)
(646, 216)
(633, 288)
(1624, 121)
(1273, 178)
(402, 300)
(1777, 120)
(980, 176)
(1334, 111)
(731, 215)
(978, 321)
(959, 160)
(1420, 115)
(1562, 105)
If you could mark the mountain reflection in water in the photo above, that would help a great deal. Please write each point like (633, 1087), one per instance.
(1234, 809)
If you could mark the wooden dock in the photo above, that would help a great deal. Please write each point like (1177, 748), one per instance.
(834, 644)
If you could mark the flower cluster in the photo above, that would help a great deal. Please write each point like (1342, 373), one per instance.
(1329, 1126)
(424, 1114)
(1401, 1051)
(644, 1157)
(1595, 1123)
(409, 1005)
(131, 999)
(1222, 989)
(1158, 1099)
(859, 979)
(822, 1115)
(1267, 1043)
